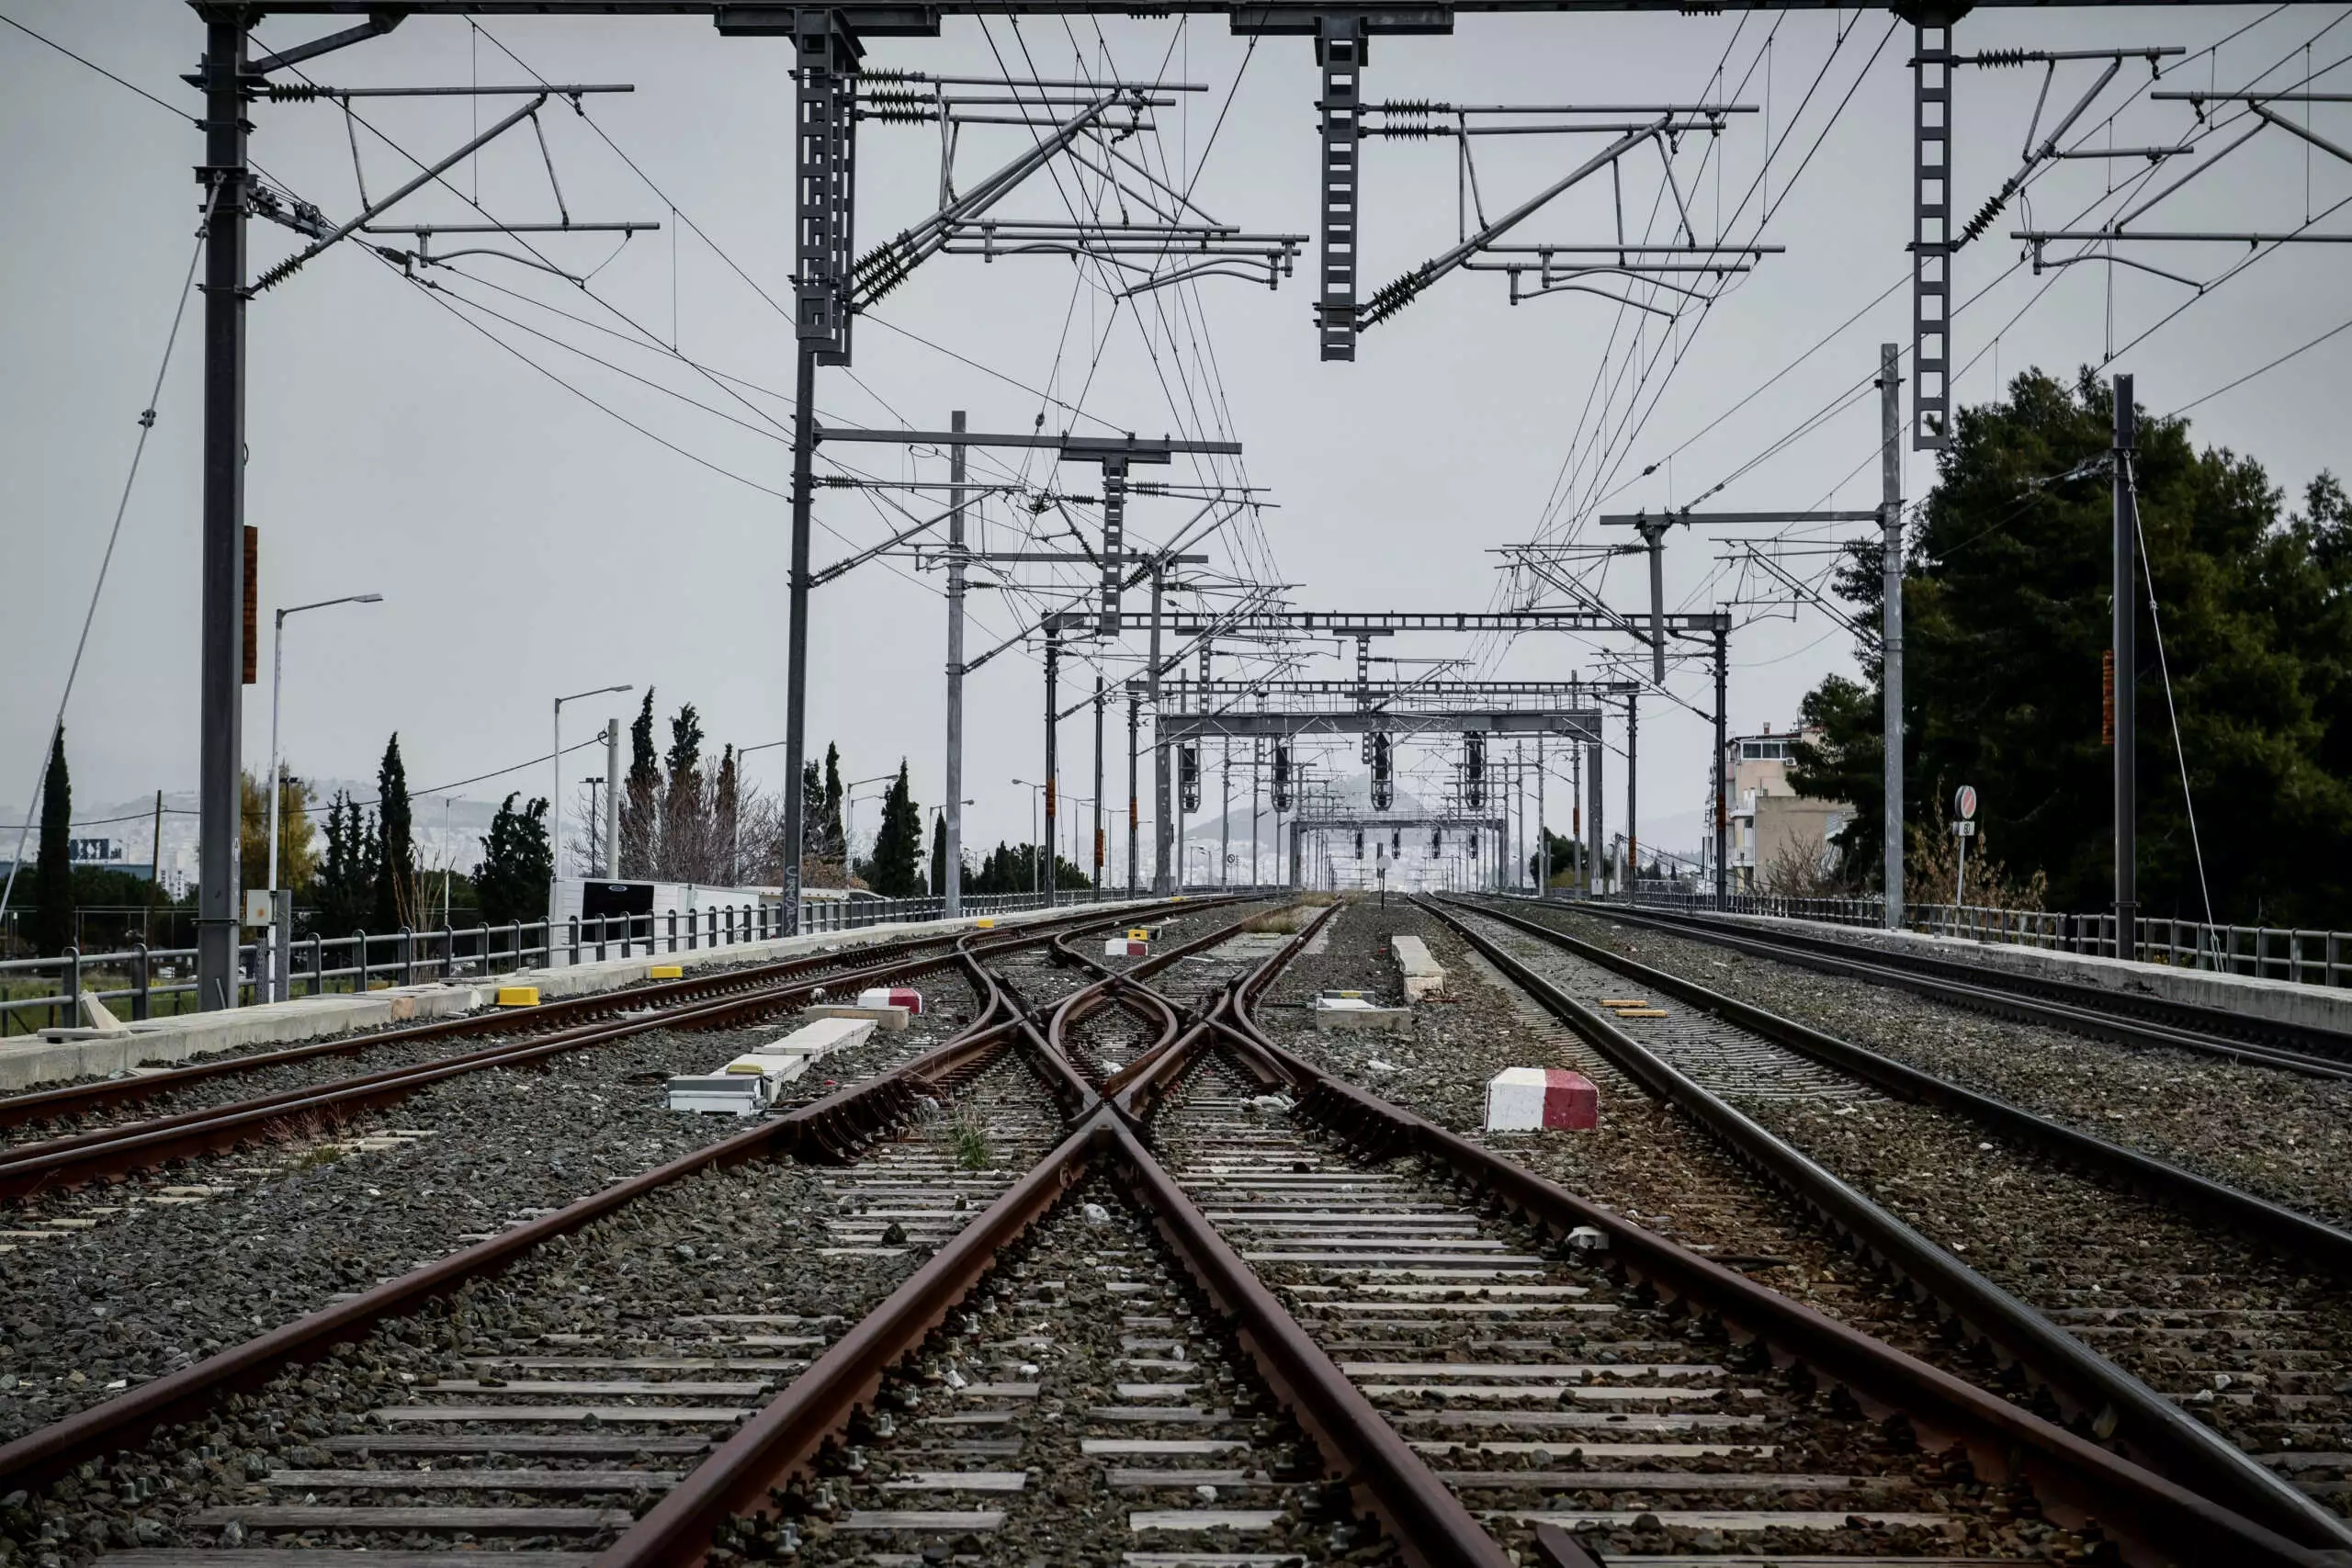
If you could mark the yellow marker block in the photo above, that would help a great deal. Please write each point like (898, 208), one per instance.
(666, 972)
(1641, 1012)
(518, 996)
(1139, 935)
(1623, 1002)
(986, 923)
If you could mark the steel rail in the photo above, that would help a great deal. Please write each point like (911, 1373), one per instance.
(137, 1145)
(1127, 986)
(2307, 1238)
(2153, 1518)
(825, 1131)
(42, 1104)
(1387, 1481)
(2120, 1017)
(2110, 1399)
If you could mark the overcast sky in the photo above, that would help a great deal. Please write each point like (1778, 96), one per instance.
(528, 542)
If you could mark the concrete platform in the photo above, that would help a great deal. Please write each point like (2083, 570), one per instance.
(2284, 1001)
(55, 1055)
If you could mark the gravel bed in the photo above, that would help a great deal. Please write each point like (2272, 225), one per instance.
(1045, 1337)
(1645, 1160)
(719, 1242)
(2279, 1134)
(144, 1291)
(2250, 1342)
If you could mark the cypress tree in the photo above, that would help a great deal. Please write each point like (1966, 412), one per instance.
(939, 856)
(52, 925)
(516, 863)
(640, 807)
(395, 901)
(898, 848)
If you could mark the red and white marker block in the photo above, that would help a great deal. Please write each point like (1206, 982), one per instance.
(905, 996)
(1528, 1100)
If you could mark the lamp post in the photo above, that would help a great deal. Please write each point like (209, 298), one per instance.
(734, 825)
(281, 922)
(1036, 792)
(849, 813)
(555, 830)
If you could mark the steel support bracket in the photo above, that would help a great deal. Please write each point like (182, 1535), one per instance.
(1931, 233)
(825, 56)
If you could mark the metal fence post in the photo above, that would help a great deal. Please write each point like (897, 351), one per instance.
(408, 956)
(140, 1004)
(359, 978)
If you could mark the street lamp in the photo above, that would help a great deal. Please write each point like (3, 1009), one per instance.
(280, 982)
(848, 814)
(555, 831)
(734, 825)
(1036, 792)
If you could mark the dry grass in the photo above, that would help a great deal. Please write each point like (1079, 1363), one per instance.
(1291, 917)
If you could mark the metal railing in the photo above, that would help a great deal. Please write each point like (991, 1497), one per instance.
(160, 982)
(2271, 953)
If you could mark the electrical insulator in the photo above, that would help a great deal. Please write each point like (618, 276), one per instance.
(1188, 775)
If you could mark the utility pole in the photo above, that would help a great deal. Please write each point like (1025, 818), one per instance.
(1053, 669)
(1134, 824)
(1890, 387)
(1723, 774)
(1632, 805)
(1543, 831)
(1161, 817)
(223, 719)
(951, 905)
(1225, 824)
(1575, 816)
(1098, 785)
(1593, 829)
(2124, 681)
(613, 797)
(825, 59)
(1257, 756)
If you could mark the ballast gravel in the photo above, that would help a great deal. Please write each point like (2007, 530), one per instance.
(148, 1280)
(2279, 1134)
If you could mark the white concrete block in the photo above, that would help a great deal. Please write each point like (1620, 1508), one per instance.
(1424, 975)
(891, 1021)
(95, 1013)
(1350, 1010)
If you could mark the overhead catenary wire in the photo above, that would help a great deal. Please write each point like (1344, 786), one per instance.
(114, 534)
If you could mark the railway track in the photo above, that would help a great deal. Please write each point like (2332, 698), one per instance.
(1068, 1377)
(2229, 1344)
(733, 998)
(2118, 1016)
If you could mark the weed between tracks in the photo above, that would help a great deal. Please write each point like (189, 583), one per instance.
(965, 1131)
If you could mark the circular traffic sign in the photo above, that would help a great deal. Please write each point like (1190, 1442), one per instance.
(1963, 803)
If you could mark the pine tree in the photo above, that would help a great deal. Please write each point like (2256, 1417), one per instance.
(396, 899)
(516, 863)
(53, 922)
(939, 856)
(641, 807)
(897, 847)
